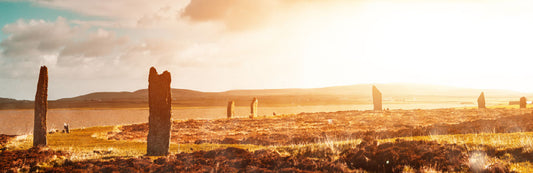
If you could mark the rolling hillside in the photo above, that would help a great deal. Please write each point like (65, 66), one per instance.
(353, 94)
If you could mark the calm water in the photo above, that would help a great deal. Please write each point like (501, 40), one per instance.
(20, 122)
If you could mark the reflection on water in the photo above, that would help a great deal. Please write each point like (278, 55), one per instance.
(21, 121)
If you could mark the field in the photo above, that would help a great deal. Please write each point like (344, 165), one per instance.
(443, 140)
(20, 121)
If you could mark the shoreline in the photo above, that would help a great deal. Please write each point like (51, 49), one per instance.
(19, 122)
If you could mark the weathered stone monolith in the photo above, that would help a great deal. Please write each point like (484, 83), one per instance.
(523, 102)
(41, 107)
(159, 122)
(253, 108)
(376, 98)
(231, 109)
(481, 101)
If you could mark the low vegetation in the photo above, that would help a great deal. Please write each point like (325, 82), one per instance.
(90, 143)
(456, 140)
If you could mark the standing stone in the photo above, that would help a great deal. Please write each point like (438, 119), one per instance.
(41, 107)
(376, 97)
(523, 102)
(231, 109)
(159, 122)
(253, 108)
(481, 101)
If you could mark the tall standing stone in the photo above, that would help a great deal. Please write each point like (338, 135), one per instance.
(481, 101)
(376, 98)
(159, 122)
(231, 109)
(523, 102)
(41, 107)
(253, 108)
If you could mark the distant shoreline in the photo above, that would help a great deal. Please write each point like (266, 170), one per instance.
(21, 121)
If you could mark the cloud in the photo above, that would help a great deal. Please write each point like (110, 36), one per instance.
(80, 51)
(163, 14)
(36, 35)
(117, 13)
(84, 59)
(239, 15)
(117, 9)
(235, 14)
(98, 45)
(76, 50)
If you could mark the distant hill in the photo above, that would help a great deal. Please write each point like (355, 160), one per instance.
(6, 103)
(396, 89)
(352, 94)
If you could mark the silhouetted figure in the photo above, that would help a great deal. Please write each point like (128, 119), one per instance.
(376, 98)
(523, 102)
(41, 107)
(481, 101)
(65, 127)
(231, 109)
(253, 108)
(159, 122)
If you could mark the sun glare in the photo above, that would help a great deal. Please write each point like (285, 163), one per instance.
(413, 42)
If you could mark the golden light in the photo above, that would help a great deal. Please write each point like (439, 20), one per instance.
(444, 42)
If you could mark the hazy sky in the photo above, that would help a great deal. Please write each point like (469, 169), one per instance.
(215, 45)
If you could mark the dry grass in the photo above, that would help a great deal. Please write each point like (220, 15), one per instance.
(500, 141)
(320, 150)
(89, 143)
(92, 143)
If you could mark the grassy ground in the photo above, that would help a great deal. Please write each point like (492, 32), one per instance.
(321, 150)
(500, 141)
(90, 143)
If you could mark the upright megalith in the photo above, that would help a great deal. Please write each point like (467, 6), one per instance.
(481, 101)
(41, 107)
(523, 102)
(376, 98)
(253, 108)
(159, 122)
(231, 109)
